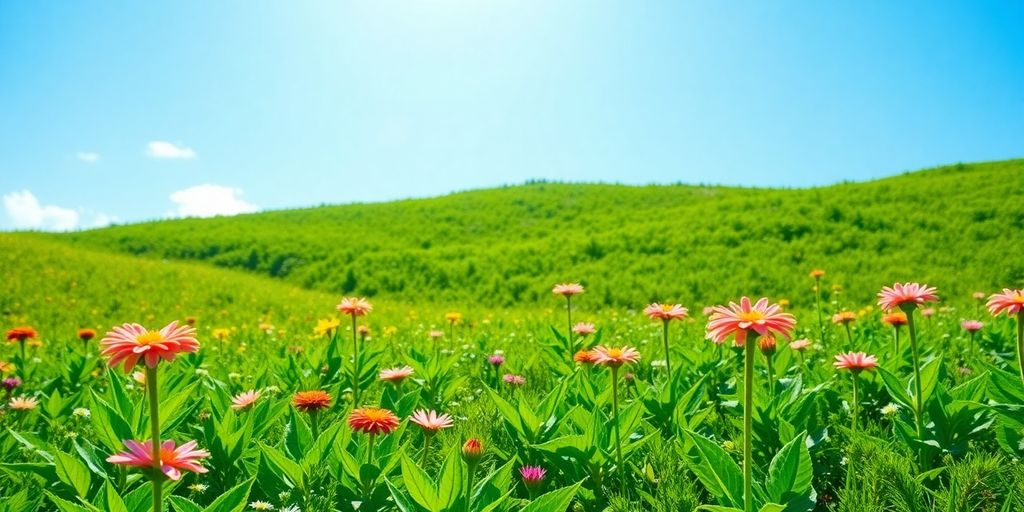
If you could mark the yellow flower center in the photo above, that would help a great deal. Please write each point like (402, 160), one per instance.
(614, 353)
(375, 414)
(150, 337)
(1019, 299)
(666, 308)
(751, 316)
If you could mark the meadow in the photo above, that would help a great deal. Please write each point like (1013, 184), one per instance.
(499, 351)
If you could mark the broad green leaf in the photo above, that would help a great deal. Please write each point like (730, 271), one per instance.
(232, 501)
(67, 506)
(791, 471)
(183, 504)
(420, 485)
(72, 472)
(559, 499)
(285, 467)
(114, 503)
(452, 480)
(717, 470)
(895, 387)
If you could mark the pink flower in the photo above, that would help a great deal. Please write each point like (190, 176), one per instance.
(132, 342)
(800, 345)
(245, 400)
(666, 312)
(20, 403)
(615, 357)
(496, 359)
(513, 380)
(927, 312)
(431, 421)
(971, 325)
(907, 293)
(740, 319)
(395, 375)
(978, 295)
(354, 306)
(1010, 301)
(172, 460)
(844, 317)
(567, 289)
(855, 362)
(533, 476)
(435, 334)
(584, 329)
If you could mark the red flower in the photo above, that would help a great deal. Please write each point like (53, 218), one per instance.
(21, 333)
(311, 401)
(373, 420)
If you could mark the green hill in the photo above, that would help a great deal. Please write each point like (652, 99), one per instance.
(959, 227)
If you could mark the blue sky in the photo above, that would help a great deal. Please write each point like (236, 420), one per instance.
(123, 111)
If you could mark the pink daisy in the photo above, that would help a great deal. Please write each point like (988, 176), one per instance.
(354, 306)
(914, 294)
(800, 345)
(245, 400)
(584, 329)
(1010, 301)
(513, 380)
(395, 375)
(740, 319)
(666, 312)
(615, 357)
(971, 325)
(567, 289)
(431, 421)
(172, 460)
(132, 342)
(855, 362)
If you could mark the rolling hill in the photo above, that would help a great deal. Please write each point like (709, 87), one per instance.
(958, 227)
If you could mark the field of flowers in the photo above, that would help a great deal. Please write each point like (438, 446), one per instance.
(911, 402)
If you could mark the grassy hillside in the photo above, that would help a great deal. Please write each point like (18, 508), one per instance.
(957, 227)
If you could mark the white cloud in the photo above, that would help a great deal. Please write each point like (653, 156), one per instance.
(25, 212)
(164, 149)
(88, 157)
(210, 200)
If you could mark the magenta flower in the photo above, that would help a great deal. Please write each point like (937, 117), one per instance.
(514, 380)
(172, 460)
(496, 360)
(533, 476)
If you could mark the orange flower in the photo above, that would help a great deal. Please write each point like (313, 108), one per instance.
(86, 334)
(311, 401)
(567, 289)
(354, 306)
(844, 317)
(373, 420)
(895, 319)
(21, 333)
(132, 342)
(817, 273)
(585, 357)
(666, 312)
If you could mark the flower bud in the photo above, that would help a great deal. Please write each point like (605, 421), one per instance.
(472, 451)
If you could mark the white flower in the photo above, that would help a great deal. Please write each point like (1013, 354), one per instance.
(291, 508)
(890, 409)
(198, 488)
(261, 505)
(81, 412)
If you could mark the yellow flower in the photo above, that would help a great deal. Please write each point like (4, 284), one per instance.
(326, 326)
(6, 367)
(453, 317)
(390, 330)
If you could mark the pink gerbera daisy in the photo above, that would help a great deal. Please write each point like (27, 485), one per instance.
(567, 289)
(666, 312)
(584, 329)
(855, 362)
(801, 344)
(1010, 301)
(395, 375)
(245, 400)
(132, 342)
(615, 357)
(172, 460)
(431, 421)
(354, 306)
(972, 325)
(910, 294)
(743, 318)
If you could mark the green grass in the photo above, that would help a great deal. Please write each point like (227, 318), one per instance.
(954, 227)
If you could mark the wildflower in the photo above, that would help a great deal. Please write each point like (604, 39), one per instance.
(435, 334)
(363, 330)
(453, 317)
(431, 421)
(86, 334)
(741, 319)
(245, 400)
(971, 326)
(354, 306)
(81, 412)
(844, 317)
(390, 330)
(514, 380)
(373, 420)
(666, 312)
(472, 451)
(905, 295)
(767, 345)
(198, 488)
(533, 476)
(890, 409)
(21, 334)
(1009, 301)
(172, 460)
(132, 342)
(395, 375)
(585, 357)
(817, 273)
(800, 345)
(584, 329)
(261, 505)
(496, 360)
(221, 334)
(855, 362)
(311, 401)
(326, 326)
(20, 403)
(615, 357)
(895, 319)
(7, 367)
(784, 303)
(628, 377)
(927, 312)
(266, 327)
(567, 289)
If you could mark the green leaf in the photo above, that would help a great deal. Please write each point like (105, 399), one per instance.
(453, 478)
(930, 377)
(896, 389)
(72, 472)
(183, 504)
(114, 501)
(419, 485)
(791, 471)
(283, 466)
(67, 506)
(559, 499)
(717, 470)
(232, 501)
(772, 507)
(717, 508)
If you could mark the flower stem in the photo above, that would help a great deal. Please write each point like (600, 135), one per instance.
(668, 363)
(771, 383)
(369, 450)
(426, 451)
(1020, 343)
(918, 405)
(849, 336)
(355, 364)
(469, 485)
(817, 303)
(314, 420)
(568, 334)
(856, 412)
(748, 421)
(154, 425)
(618, 432)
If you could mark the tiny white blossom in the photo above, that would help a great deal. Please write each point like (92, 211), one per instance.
(81, 412)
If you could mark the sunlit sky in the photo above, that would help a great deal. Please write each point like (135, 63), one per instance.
(125, 111)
